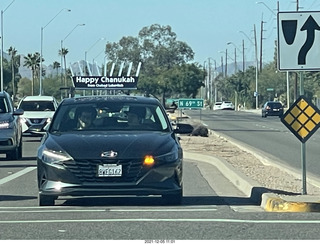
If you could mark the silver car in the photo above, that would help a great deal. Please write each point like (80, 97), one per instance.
(10, 128)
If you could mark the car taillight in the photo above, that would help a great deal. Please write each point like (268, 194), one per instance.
(268, 107)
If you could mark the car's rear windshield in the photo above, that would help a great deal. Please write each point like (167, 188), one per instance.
(108, 116)
(275, 105)
(37, 106)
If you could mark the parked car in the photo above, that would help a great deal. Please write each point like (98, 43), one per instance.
(272, 108)
(217, 106)
(10, 128)
(227, 105)
(110, 145)
(38, 112)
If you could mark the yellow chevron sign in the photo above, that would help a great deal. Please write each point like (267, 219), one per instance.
(302, 119)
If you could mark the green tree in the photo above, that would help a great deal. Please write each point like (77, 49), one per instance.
(161, 54)
(56, 66)
(24, 87)
(63, 52)
(32, 61)
(15, 64)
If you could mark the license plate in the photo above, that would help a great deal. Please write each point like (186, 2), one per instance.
(109, 170)
(276, 109)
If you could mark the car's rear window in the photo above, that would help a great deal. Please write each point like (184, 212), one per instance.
(275, 105)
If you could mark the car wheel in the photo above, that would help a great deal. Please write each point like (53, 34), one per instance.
(45, 200)
(20, 150)
(13, 155)
(173, 199)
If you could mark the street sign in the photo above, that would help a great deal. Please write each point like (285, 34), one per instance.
(190, 103)
(302, 119)
(299, 41)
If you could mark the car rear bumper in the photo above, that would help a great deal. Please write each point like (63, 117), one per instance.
(274, 113)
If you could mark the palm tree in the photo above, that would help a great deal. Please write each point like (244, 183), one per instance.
(32, 61)
(63, 52)
(56, 65)
(15, 63)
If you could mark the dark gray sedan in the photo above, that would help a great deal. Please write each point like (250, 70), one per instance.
(110, 145)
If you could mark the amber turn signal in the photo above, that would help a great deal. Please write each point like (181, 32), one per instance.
(148, 160)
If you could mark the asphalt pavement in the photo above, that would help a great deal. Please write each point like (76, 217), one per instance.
(268, 201)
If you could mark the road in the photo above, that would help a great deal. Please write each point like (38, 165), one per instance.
(268, 136)
(212, 209)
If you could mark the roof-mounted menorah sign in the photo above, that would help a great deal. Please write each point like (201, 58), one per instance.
(123, 82)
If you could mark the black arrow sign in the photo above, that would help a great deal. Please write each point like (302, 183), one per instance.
(310, 26)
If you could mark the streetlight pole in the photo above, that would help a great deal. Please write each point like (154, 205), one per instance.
(66, 38)
(42, 28)
(85, 59)
(85, 53)
(1, 59)
(235, 56)
(256, 60)
(65, 78)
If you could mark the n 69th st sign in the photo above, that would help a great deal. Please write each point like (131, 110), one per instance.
(190, 103)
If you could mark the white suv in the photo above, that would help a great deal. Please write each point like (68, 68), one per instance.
(38, 112)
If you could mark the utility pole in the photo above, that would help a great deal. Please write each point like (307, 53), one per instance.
(222, 68)
(226, 74)
(243, 59)
(256, 51)
(235, 60)
(261, 37)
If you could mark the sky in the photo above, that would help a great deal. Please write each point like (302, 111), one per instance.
(207, 26)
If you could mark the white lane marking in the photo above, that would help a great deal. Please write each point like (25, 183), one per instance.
(108, 210)
(16, 175)
(163, 220)
(162, 210)
(51, 211)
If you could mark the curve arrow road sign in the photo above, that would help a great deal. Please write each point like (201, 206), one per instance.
(298, 41)
(310, 26)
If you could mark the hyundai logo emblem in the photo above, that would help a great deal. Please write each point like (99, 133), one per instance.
(109, 154)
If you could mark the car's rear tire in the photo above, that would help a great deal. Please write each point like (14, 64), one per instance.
(16, 153)
(20, 150)
(13, 155)
(45, 200)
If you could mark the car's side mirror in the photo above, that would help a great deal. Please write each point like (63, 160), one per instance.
(18, 112)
